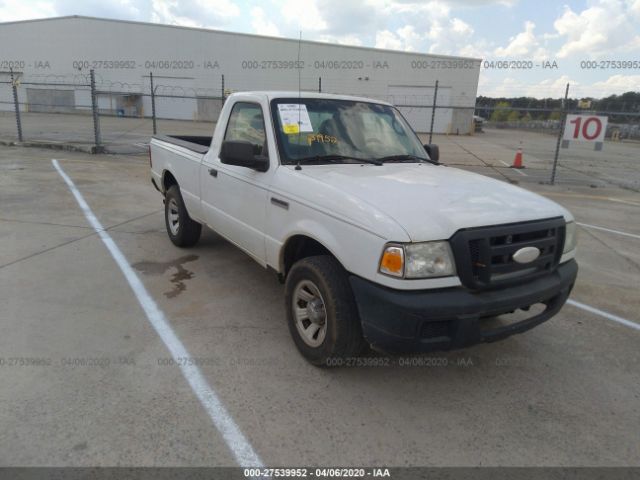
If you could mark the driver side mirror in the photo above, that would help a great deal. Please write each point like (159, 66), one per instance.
(433, 151)
(241, 154)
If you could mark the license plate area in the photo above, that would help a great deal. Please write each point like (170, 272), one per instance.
(497, 322)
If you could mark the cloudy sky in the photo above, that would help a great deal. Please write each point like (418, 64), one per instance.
(545, 32)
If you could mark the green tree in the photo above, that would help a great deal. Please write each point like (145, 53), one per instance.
(513, 116)
(500, 114)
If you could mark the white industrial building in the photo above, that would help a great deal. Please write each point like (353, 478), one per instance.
(192, 66)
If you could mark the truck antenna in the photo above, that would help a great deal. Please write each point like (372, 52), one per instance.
(298, 67)
(299, 91)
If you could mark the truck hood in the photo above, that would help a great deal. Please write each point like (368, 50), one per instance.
(432, 202)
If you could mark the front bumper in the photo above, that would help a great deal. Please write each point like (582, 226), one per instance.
(452, 318)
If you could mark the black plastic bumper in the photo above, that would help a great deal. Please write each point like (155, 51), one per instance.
(451, 318)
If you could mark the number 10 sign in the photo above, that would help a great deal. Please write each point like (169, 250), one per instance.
(584, 128)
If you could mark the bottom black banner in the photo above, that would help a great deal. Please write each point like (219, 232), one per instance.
(287, 473)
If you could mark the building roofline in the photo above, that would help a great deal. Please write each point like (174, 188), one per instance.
(253, 35)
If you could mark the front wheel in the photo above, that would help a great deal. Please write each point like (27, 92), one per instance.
(182, 230)
(321, 311)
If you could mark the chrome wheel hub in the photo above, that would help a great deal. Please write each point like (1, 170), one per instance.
(173, 217)
(309, 313)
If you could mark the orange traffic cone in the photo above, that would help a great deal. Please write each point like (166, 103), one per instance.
(517, 161)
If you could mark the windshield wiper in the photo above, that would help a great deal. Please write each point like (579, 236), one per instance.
(336, 159)
(405, 158)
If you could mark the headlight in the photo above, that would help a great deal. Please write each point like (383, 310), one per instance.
(570, 237)
(418, 260)
(429, 259)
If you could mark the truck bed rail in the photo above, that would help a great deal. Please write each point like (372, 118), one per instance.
(194, 143)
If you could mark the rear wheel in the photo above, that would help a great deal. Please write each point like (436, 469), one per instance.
(182, 230)
(321, 311)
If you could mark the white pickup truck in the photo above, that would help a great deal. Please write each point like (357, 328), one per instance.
(377, 243)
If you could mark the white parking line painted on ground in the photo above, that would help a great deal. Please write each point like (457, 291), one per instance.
(516, 169)
(591, 197)
(596, 227)
(236, 441)
(607, 315)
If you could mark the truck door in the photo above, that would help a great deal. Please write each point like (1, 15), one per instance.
(234, 198)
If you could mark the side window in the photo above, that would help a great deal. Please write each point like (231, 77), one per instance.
(246, 123)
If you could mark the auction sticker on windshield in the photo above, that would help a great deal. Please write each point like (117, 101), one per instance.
(294, 118)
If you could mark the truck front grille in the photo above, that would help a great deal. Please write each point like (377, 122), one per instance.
(484, 255)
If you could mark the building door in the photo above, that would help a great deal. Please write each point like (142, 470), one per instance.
(175, 97)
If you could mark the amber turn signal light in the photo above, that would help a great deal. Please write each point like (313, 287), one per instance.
(392, 261)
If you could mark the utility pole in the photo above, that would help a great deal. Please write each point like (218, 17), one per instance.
(433, 111)
(563, 119)
(153, 104)
(222, 90)
(96, 117)
(16, 105)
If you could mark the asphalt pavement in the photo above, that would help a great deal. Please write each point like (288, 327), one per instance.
(86, 378)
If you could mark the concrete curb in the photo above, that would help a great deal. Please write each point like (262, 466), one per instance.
(68, 147)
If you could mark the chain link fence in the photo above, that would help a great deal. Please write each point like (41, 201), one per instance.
(621, 125)
(89, 112)
(539, 131)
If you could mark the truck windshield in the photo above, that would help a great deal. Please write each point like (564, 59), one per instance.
(319, 130)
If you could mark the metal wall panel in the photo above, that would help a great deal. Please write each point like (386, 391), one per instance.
(123, 53)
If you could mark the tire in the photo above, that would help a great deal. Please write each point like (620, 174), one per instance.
(182, 231)
(338, 333)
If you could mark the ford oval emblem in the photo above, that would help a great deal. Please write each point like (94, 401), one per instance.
(526, 255)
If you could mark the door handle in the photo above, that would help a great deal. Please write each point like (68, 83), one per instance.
(213, 172)
(280, 203)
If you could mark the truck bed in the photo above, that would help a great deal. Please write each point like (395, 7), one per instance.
(195, 143)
